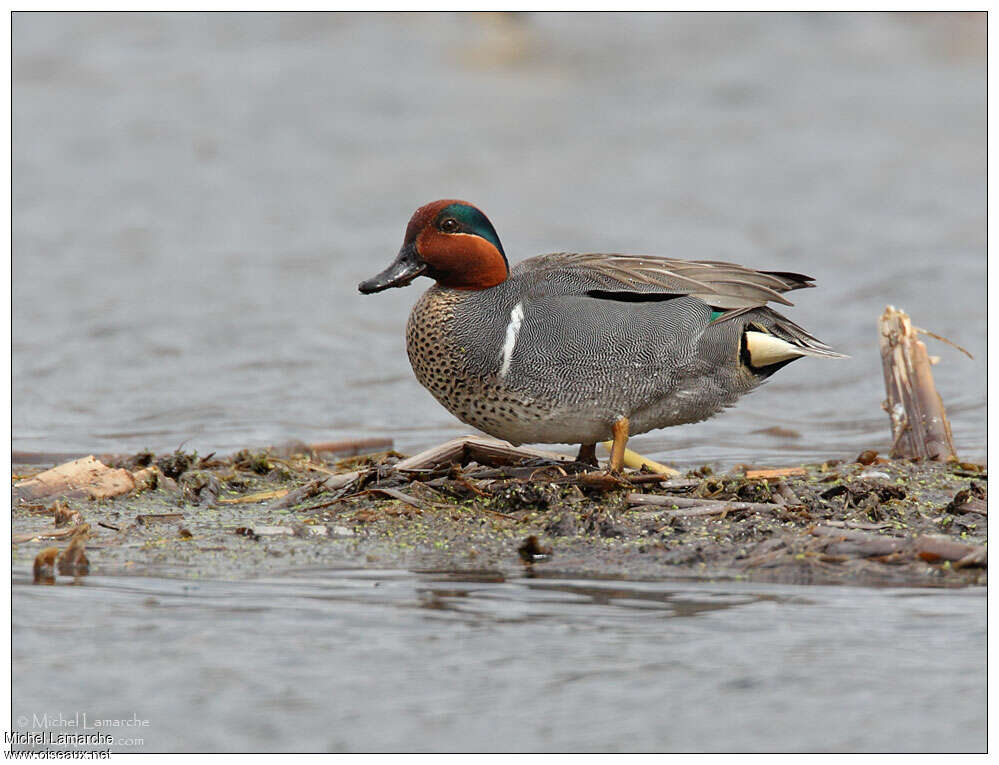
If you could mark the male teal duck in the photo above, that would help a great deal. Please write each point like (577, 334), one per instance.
(578, 348)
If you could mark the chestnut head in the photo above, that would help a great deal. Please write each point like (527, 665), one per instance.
(450, 241)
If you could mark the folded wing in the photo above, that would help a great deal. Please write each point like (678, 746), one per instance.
(635, 278)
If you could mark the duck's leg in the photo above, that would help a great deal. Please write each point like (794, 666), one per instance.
(587, 454)
(620, 431)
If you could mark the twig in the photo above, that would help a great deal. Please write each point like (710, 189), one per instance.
(395, 494)
(775, 472)
(944, 340)
(148, 518)
(665, 479)
(53, 534)
(259, 496)
(691, 506)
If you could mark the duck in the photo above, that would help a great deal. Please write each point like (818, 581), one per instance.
(582, 348)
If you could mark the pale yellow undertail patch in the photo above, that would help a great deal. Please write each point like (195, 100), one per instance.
(765, 349)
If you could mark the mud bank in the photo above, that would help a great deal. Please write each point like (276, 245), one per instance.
(253, 514)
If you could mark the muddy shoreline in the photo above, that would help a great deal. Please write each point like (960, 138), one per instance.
(266, 513)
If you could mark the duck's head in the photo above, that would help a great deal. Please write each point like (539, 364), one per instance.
(450, 241)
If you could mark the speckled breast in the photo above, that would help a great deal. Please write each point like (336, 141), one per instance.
(445, 368)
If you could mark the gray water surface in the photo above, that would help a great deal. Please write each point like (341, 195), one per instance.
(196, 197)
(389, 660)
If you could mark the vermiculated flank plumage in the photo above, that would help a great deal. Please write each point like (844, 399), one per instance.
(587, 351)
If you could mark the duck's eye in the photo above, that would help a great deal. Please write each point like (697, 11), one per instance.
(449, 225)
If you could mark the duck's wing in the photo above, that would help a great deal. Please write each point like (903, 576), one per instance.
(635, 278)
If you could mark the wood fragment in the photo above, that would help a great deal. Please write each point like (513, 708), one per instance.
(839, 532)
(868, 457)
(341, 480)
(64, 516)
(919, 425)
(965, 501)
(147, 478)
(864, 548)
(302, 493)
(396, 494)
(335, 482)
(693, 506)
(929, 547)
(947, 549)
(668, 500)
(788, 496)
(597, 480)
(858, 525)
(977, 557)
(468, 484)
(465, 449)
(308, 466)
(86, 477)
(775, 472)
(684, 512)
(767, 553)
(973, 505)
(73, 561)
(147, 518)
(44, 568)
(666, 481)
(44, 534)
(259, 496)
(273, 531)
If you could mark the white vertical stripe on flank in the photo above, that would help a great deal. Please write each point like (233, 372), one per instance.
(512, 329)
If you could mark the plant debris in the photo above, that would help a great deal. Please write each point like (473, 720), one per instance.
(478, 504)
(86, 477)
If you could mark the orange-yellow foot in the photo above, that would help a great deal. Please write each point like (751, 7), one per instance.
(636, 461)
(620, 431)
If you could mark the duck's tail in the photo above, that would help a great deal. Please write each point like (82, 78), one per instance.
(771, 340)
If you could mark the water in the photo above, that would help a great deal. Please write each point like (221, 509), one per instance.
(197, 197)
(385, 660)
